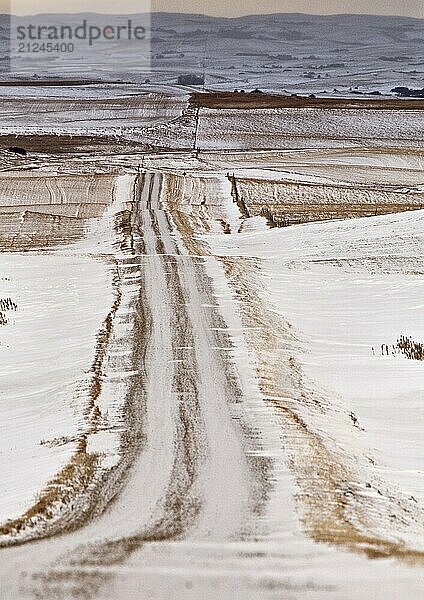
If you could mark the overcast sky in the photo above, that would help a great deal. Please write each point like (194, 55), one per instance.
(229, 8)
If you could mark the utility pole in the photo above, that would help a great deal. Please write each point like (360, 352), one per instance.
(196, 132)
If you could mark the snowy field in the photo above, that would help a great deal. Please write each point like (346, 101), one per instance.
(196, 403)
(46, 353)
(348, 289)
(309, 128)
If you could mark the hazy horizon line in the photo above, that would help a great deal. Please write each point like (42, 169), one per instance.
(228, 18)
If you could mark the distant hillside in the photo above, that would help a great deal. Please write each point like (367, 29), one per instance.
(292, 52)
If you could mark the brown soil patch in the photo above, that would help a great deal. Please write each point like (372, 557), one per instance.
(52, 82)
(252, 101)
(68, 144)
(69, 484)
(282, 215)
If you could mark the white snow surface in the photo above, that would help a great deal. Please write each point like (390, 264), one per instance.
(46, 351)
(349, 287)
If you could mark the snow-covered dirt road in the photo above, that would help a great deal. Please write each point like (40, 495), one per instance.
(192, 472)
